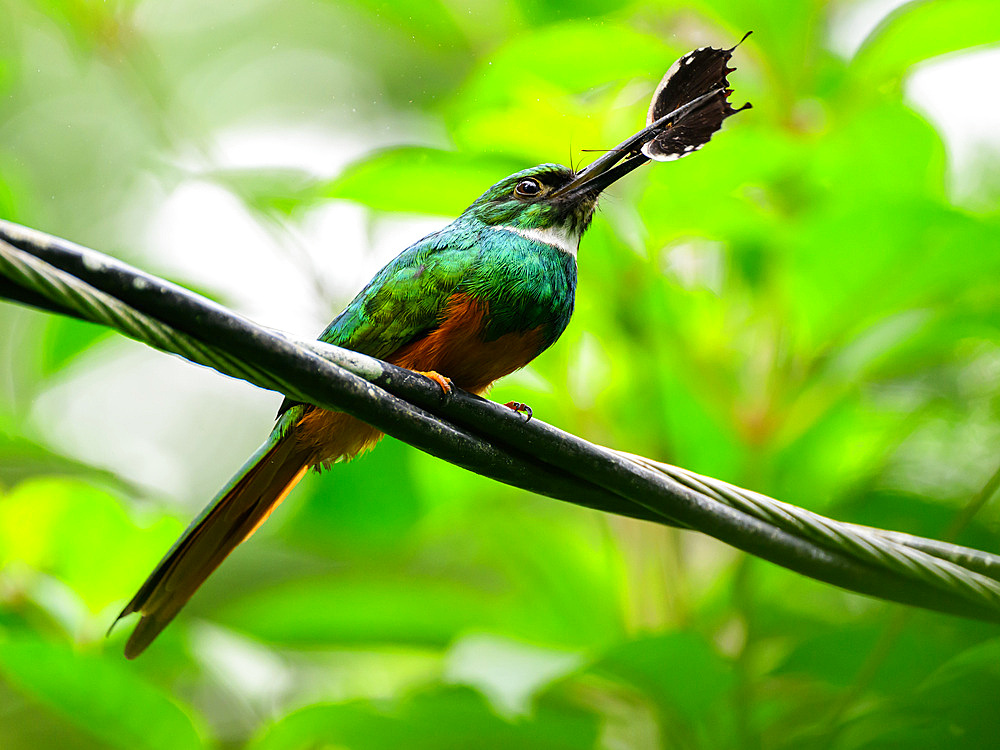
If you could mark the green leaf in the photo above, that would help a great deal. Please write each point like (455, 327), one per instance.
(419, 180)
(680, 671)
(8, 199)
(674, 685)
(365, 609)
(82, 536)
(65, 339)
(541, 12)
(22, 459)
(787, 35)
(30, 725)
(269, 191)
(445, 719)
(102, 695)
(523, 579)
(920, 30)
(427, 22)
(955, 707)
(335, 508)
(837, 655)
(91, 24)
(539, 57)
(525, 101)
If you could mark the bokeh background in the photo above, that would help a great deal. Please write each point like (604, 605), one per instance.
(809, 307)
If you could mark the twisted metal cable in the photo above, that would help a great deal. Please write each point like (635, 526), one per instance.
(821, 527)
(98, 307)
(955, 571)
(865, 543)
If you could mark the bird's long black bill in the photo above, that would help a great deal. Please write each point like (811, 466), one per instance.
(606, 169)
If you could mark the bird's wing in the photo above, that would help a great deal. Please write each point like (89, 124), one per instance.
(405, 300)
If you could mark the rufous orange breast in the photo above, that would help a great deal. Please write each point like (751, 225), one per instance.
(455, 349)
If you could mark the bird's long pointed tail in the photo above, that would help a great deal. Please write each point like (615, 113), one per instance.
(236, 513)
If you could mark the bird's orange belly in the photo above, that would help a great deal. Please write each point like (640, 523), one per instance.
(455, 349)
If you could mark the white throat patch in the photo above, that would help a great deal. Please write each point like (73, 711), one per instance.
(553, 236)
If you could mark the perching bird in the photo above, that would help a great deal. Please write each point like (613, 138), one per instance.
(466, 305)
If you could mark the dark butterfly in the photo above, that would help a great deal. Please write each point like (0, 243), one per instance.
(694, 75)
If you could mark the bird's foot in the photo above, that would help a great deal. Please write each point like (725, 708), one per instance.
(518, 408)
(438, 378)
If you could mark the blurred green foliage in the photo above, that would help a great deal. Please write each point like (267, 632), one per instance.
(802, 308)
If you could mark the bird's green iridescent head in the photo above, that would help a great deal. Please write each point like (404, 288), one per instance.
(547, 197)
(525, 201)
(550, 203)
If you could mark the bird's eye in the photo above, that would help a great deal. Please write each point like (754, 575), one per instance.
(528, 188)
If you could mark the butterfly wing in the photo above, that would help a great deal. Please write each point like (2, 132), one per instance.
(695, 74)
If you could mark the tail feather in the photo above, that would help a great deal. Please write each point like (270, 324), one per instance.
(230, 519)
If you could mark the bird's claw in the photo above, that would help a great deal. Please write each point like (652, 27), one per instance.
(518, 408)
(438, 378)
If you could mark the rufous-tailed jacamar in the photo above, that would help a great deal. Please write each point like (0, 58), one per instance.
(466, 305)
